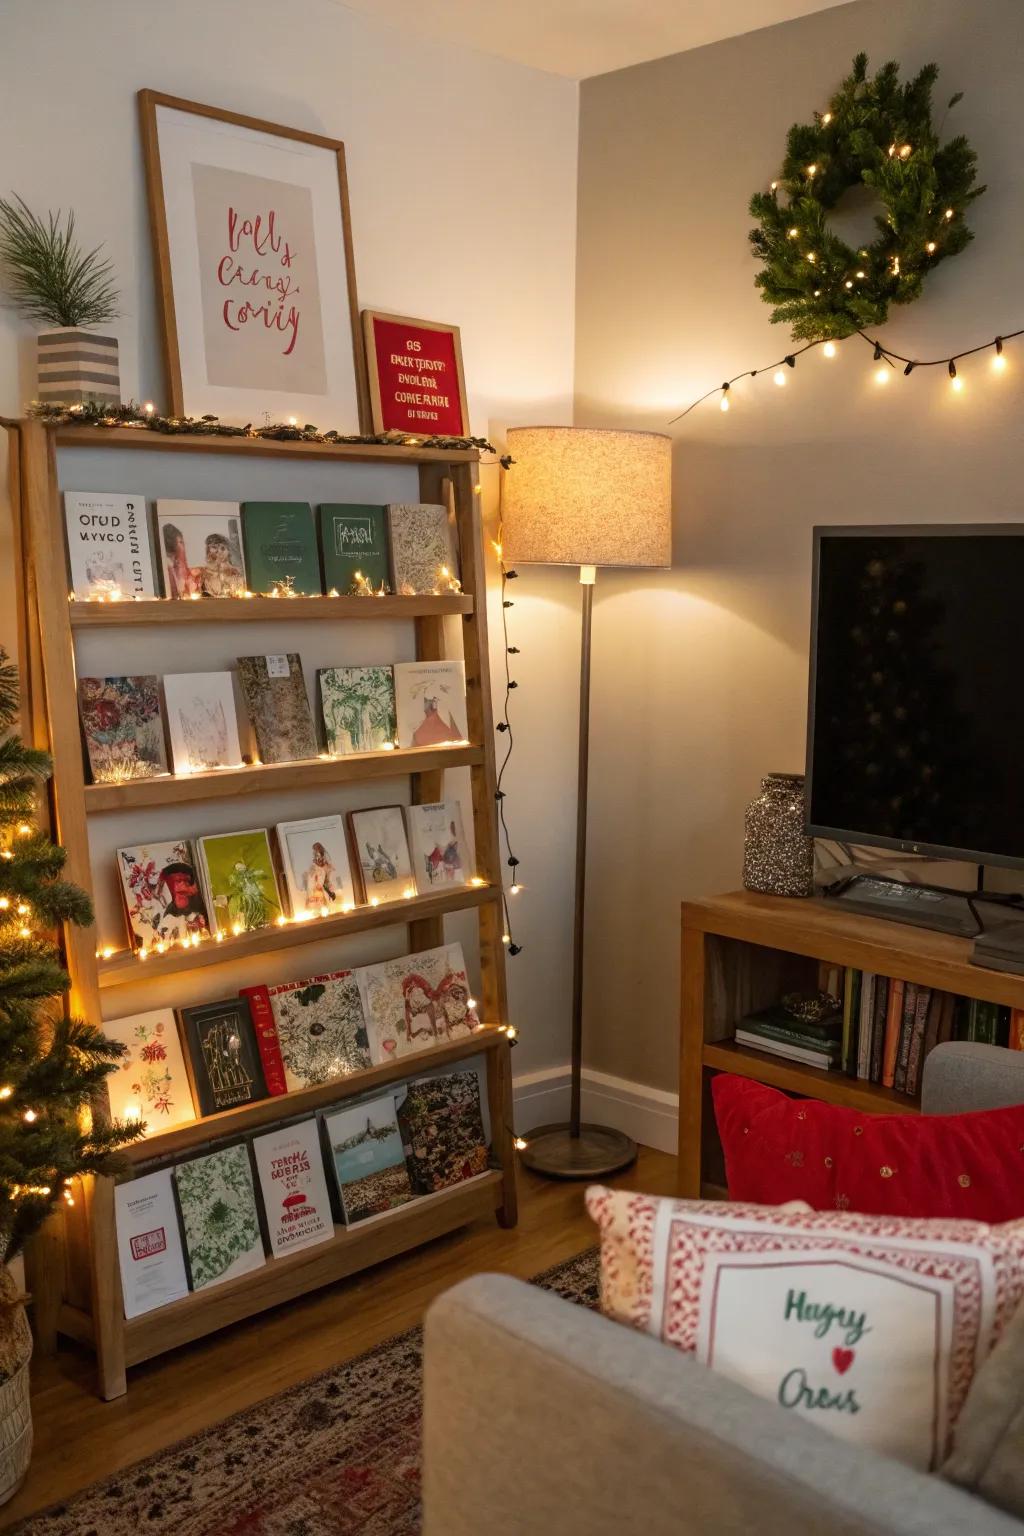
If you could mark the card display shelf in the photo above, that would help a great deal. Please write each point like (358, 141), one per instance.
(250, 610)
(267, 778)
(743, 951)
(247, 1118)
(125, 968)
(73, 1270)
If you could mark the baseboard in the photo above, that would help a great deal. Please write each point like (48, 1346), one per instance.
(649, 1115)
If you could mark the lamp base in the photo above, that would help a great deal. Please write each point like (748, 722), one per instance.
(596, 1152)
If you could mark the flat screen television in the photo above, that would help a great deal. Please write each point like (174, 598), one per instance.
(915, 734)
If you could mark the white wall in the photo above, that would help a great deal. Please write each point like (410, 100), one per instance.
(700, 674)
(462, 175)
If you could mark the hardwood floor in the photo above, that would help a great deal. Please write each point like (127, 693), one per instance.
(79, 1439)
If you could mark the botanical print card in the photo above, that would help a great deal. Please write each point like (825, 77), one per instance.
(123, 727)
(358, 705)
(382, 851)
(430, 702)
(368, 1159)
(422, 550)
(353, 540)
(275, 696)
(241, 885)
(280, 543)
(443, 1129)
(200, 545)
(218, 1211)
(162, 895)
(108, 545)
(224, 1063)
(416, 1001)
(320, 1028)
(296, 1200)
(314, 858)
(437, 843)
(149, 1247)
(150, 1082)
(201, 721)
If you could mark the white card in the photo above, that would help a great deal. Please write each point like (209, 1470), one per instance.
(108, 545)
(430, 703)
(277, 666)
(201, 721)
(855, 1345)
(149, 1244)
(291, 1170)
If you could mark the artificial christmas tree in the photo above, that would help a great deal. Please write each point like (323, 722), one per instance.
(51, 1065)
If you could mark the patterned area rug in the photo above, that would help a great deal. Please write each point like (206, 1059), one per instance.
(338, 1455)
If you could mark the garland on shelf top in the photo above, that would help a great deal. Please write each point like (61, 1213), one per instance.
(876, 133)
(147, 419)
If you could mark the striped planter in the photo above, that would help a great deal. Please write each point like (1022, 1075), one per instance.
(77, 367)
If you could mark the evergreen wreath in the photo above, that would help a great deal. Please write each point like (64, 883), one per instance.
(876, 133)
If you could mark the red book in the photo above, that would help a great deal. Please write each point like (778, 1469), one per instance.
(1016, 1040)
(893, 1021)
(266, 1038)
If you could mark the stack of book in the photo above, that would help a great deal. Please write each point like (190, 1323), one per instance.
(778, 1031)
(885, 1030)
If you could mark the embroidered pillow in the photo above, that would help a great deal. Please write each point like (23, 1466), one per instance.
(968, 1166)
(870, 1326)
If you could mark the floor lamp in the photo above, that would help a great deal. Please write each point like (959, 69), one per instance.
(576, 496)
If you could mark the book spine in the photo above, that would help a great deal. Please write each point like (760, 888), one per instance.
(807, 1055)
(915, 1053)
(1016, 1037)
(893, 1020)
(882, 985)
(1003, 1024)
(267, 1042)
(984, 1021)
(867, 1013)
(851, 1016)
(910, 992)
(933, 1027)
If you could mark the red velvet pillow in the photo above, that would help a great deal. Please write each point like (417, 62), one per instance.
(968, 1166)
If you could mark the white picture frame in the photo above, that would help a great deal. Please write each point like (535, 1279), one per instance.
(255, 267)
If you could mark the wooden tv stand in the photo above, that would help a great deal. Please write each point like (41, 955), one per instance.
(742, 952)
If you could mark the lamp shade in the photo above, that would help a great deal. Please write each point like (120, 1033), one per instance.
(583, 496)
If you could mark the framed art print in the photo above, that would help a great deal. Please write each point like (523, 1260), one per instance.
(416, 377)
(253, 253)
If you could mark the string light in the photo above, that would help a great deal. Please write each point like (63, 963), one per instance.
(520, 1143)
(31, 1116)
(826, 119)
(956, 382)
(779, 377)
(723, 404)
(829, 349)
(882, 375)
(999, 361)
(6, 1091)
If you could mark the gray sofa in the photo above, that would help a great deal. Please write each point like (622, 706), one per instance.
(544, 1419)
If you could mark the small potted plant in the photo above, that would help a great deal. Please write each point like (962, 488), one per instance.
(52, 1066)
(51, 280)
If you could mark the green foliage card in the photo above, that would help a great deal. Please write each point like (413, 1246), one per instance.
(353, 538)
(241, 885)
(280, 541)
(218, 1213)
(358, 705)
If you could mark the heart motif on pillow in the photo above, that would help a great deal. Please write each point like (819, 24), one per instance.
(842, 1359)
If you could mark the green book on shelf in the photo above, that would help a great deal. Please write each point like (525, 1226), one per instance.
(353, 538)
(851, 1019)
(796, 1036)
(780, 1016)
(280, 541)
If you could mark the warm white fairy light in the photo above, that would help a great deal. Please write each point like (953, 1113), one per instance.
(829, 349)
(792, 232)
(779, 377)
(477, 880)
(930, 247)
(520, 1143)
(31, 1116)
(293, 421)
(882, 375)
(948, 213)
(812, 170)
(826, 119)
(149, 407)
(6, 1091)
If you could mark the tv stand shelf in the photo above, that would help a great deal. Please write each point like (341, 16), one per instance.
(742, 951)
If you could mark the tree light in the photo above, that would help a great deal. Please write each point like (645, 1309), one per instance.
(826, 119)
(812, 170)
(30, 1115)
(930, 247)
(793, 232)
(6, 1092)
(829, 349)
(948, 214)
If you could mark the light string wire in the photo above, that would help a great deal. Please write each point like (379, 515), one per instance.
(881, 354)
(504, 725)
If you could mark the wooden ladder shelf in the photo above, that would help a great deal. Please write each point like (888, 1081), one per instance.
(73, 1268)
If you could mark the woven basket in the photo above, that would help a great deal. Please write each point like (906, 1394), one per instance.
(15, 1433)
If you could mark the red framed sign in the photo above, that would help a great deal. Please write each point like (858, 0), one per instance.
(415, 373)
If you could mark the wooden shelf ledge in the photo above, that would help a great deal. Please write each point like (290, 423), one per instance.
(821, 930)
(126, 969)
(267, 778)
(258, 610)
(247, 1118)
(811, 1082)
(349, 1250)
(259, 447)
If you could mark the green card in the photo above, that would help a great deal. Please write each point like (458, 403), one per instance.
(280, 541)
(353, 538)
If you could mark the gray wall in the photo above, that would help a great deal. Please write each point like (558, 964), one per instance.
(700, 673)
